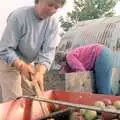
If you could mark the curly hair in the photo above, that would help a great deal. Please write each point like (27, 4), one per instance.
(36, 1)
(60, 57)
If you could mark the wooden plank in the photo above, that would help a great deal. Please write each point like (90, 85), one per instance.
(116, 81)
(79, 81)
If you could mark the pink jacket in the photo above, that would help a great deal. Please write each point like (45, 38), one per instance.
(83, 58)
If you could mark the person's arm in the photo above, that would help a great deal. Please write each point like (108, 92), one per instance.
(47, 53)
(74, 63)
(10, 39)
(51, 41)
(9, 43)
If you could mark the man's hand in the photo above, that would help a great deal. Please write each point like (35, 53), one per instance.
(39, 75)
(38, 78)
(25, 69)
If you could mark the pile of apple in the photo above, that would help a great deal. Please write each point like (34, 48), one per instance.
(93, 115)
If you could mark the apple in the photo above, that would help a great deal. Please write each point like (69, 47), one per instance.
(99, 104)
(107, 101)
(90, 115)
(117, 104)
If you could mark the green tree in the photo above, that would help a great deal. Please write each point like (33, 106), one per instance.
(87, 10)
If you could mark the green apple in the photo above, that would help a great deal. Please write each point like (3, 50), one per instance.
(90, 115)
(117, 104)
(99, 104)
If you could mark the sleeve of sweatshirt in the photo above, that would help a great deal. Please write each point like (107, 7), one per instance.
(51, 41)
(74, 63)
(10, 39)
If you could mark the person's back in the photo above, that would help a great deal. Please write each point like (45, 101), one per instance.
(86, 55)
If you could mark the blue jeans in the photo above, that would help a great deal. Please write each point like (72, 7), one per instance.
(103, 72)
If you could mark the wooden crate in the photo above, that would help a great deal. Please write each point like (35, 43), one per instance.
(79, 81)
(116, 81)
(84, 81)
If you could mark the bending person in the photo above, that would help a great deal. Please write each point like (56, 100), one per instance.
(92, 57)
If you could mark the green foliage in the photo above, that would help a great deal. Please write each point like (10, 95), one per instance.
(87, 10)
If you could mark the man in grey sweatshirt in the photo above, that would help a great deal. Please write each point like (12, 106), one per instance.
(29, 37)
